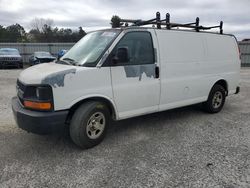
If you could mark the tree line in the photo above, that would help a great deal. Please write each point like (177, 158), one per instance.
(43, 30)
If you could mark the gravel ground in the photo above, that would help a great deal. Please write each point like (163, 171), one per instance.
(179, 148)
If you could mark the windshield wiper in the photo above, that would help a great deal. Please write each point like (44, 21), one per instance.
(63, 62)
(71, 61)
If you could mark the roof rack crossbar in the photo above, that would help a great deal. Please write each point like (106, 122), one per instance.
(138, 22)
(129, 20)
(182, 25)
(158, 22)
(147, 22)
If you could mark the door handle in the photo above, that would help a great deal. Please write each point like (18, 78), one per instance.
(157, 72)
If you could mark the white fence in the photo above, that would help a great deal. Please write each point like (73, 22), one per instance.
(26, 49)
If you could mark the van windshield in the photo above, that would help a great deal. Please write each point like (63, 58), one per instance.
(90, 48)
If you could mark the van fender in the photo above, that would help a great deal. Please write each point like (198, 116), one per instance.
(96, 97)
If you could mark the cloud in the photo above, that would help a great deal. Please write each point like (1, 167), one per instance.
(94, 14)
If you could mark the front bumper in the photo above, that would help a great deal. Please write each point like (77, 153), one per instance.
(10, 63)
(38, 122)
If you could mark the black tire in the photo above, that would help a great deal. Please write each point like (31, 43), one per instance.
(80, 124)
(216, 99)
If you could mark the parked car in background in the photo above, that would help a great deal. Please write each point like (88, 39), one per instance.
(10, 57)
(61, 53)
(41, 57)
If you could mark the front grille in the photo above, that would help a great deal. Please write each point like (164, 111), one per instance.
(9, 59)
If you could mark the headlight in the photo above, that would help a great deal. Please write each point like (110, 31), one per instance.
(38, 98)
(43, 93)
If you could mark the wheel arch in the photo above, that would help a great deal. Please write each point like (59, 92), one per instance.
(223, 83)
(106, 101)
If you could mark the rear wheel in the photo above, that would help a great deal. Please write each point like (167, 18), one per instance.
(216, 99)
(89, 124)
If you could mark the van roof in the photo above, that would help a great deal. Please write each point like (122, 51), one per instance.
(164, 29)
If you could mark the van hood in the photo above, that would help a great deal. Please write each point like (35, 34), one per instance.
(47, 73)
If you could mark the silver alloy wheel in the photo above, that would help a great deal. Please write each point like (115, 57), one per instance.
(217, 99)
(95, 125)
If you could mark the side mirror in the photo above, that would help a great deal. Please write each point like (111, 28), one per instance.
(121, 55)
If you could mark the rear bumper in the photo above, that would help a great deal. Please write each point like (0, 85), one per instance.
(38, 122)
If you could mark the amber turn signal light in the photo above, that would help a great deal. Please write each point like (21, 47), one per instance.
(38, 105)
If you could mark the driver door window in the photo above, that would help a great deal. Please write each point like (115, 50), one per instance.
(140, 48)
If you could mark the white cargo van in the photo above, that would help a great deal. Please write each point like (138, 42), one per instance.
(126, 72)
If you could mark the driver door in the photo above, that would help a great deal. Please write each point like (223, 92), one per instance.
(135, 83)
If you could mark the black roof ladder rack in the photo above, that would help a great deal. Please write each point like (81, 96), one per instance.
(166, 22)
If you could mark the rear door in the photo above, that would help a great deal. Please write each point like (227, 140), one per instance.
(136, 86)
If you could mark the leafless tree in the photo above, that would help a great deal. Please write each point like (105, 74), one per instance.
(39, 23)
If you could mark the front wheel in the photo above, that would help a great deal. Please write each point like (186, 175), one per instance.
(89, 124)
(216, 99)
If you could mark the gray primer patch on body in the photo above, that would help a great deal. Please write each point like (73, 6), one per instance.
(138, 70)
(57, 79)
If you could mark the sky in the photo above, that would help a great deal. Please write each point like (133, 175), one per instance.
(96, 14)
